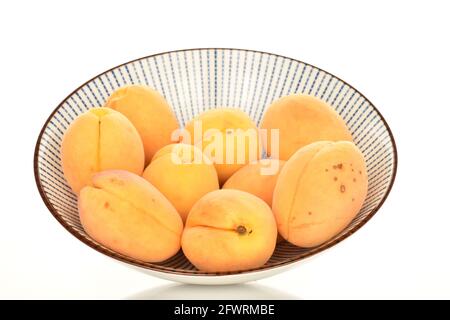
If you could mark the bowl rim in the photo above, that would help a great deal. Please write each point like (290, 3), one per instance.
(162, 269)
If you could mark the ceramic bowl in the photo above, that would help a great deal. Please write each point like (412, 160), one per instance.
(196, 80)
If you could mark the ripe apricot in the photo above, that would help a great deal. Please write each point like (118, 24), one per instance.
(125, 213)
(227, 136)
(253, 179)
(319, 191)
(301, 120)
(181, 177)
(100, 139)
(150, 114)
(229, 230)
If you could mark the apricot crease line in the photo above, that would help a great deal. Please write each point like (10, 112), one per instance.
(297, 185)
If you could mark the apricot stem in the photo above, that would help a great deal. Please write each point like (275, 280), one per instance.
(241, 230)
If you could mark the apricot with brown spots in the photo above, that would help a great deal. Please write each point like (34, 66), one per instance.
(304, 187)
(130, 216)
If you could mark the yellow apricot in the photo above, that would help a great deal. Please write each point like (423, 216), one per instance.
(234, 130)
(253, 179)
(319, 191)
(182, 178)
(301, 120)
(229, 230)
(99, 139)
(125, 213)
(150, 114)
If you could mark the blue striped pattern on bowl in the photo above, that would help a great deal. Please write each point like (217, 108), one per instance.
(196, 80)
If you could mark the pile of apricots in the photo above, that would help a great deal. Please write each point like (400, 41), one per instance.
(133, 198)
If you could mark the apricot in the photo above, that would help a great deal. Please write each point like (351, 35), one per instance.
(229, 230)
(185, 152)
(125, 213)
(319, 191)
(182, 180)
(301, 120)
(253, 179)
(150, 114)
(234, 134)
(100, 139)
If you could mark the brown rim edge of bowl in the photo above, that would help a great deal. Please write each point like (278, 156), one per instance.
(159, 268)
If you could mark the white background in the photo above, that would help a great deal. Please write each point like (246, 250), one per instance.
(395, 52)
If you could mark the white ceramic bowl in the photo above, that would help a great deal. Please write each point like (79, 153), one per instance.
(200, 79)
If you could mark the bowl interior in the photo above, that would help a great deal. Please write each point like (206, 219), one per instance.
(201, 79)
